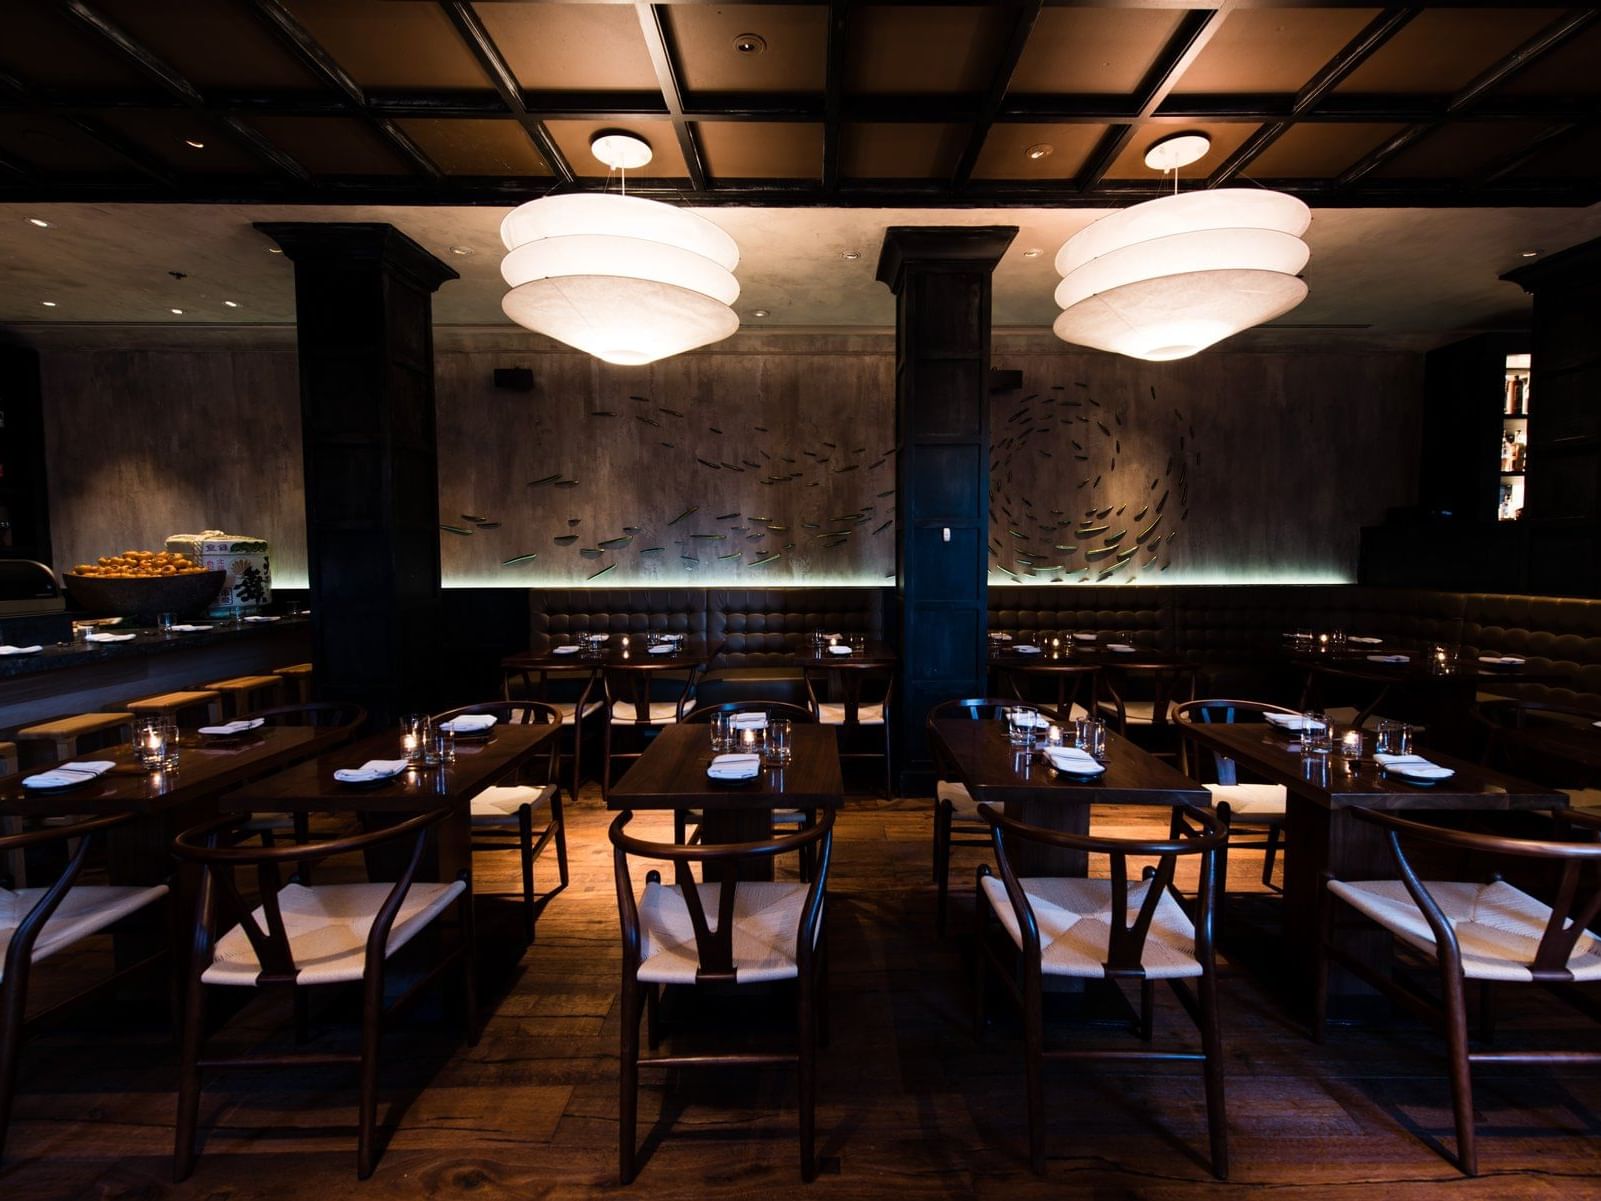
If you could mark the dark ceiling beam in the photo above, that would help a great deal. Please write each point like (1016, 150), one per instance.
(26, 98)
(659, 45)
(1508, 165)
(1023, 21)
(1195, 30)
(1546, 40)
(493, 63)
(839, 18)
(1351, 56)
(321, 64)
(96, 22)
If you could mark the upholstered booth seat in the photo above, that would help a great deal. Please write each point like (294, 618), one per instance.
(662, 713)
(85, 910)
(766, 918)
(1252, 800)
(1498, 927)
(498, 805)
(832, 713)
(1074, 918)
(328, 926)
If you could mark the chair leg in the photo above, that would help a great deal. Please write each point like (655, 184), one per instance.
(1456, 1039)
(822, 990)
(1147, 1009)
(13, 1005)
(628, 1082)
(980, 976)
(559, 816)
(605, 761)
(806, 1067)
(942, 862)
(525, 849)
(194, 1023)
(1320, 973)
(1217, 1122)
(653, 1015)
(1270, 854)
(371, 1032)
(468, 934)
(302, 1004)
(1486, 1011)
(1034, 1070)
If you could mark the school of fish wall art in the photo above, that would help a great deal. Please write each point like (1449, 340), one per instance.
(1075, 523)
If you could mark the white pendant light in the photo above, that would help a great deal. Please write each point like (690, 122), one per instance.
(1168, 278)
(627, 280)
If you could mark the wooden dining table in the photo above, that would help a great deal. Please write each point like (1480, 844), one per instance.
(1322, 836)
(1036, 794)
(671, 775)
(843, 675)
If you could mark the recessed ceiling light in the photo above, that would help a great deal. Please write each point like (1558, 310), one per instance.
(275, 250)
(42, 224)
(49, 304)
(232, 304)
(1033, 252)
(1040, 150)
(1177, 150)
(750, 43)
(758, 312)
(177, 312)
(851, 255)
(461, 250)
(1529, 254)
(194, 144)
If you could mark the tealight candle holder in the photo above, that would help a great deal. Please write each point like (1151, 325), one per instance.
(155, 743)
(414, 731)
(1351, 744)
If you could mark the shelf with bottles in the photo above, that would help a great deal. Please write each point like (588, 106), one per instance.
(1516, 386)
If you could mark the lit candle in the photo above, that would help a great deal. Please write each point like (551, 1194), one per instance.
(1053, 735)
(747, 737)
(625, 641)
(1351, 744)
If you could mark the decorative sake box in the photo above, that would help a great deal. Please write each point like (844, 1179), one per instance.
(247, 581)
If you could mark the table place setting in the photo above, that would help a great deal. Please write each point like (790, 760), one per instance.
(1122, 648)
(1295, 722)
(735, 767)
(20, 650)
(232, 729)
(1364, 640)
(471, 725)
(1086, 637)
(1072, 760)
(1026, 648)
(747, 721)
(999, 636)
(1414, 769)
(1389, 658)
(109, 637)
(1503, 660)
(374, 771)
(187, 628)
(261, 617)
(68, 775)
(663, 648)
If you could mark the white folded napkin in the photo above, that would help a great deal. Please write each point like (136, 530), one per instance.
(1037, 720)
(666, 648)
(837, 649)
(673, 637)
(235, 727)
(20, 650)
(1086, 637)
(260, 617)
(1292, 721)
(1000, 636)
(112, 637)
(735, 767)
(1073, 760)
(748, 721)
(566, 650)
(1390, 658)
(595, 637)
(69, 773)
(1364, 639)
(373, 769)
(1026, 648)
(469, 723)
(1121, 647)
(1415, 766)
(188, 629)
(1503, 660)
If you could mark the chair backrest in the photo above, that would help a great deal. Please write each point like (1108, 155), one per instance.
(1503, 723)
(855, 683)
(773, 710)
(1168, 683)
(635, 686)
(714, 945)
(19, 949)
(511, 713)
(1195, 832)
(1575, 903)
(320, 714)
(534, 681)
(1217, 711)
(977, 708)
(218, 847)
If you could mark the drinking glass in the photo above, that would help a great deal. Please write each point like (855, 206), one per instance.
(722, 725)
(858, 642)
(1021, 722)
(440, 749)
(155, 742)
(780, 747)
(414, 736)
(1316, 737)
(1089, 735)
(165, 622)
(1394, 738)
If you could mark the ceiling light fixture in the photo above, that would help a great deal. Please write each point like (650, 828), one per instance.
(194, 144)
(750, 43)
(758, 313)
(275, 250)
(1040, 150)
(177, 312)
(1168, 278)
(627, 280)
(39, 221)
(461, 250)
(850, 256)
(1528, 254)
(1033, 252)
(232, 304)
(49, 304)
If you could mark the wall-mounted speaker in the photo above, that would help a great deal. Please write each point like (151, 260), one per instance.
(514, 379)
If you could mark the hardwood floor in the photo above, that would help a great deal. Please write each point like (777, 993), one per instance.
(910, 1106)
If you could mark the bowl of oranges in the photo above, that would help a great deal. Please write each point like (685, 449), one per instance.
(143, 583)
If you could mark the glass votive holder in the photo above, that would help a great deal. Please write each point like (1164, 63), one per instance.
(749, 740)
(1053, 735)
(155, 743)
(1442, 658)
(780, 746)
(415, 729)
(1021, 724)
(1351, 744)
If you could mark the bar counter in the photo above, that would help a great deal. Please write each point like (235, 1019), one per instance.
(83, 677)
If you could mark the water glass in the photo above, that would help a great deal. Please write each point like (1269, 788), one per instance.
(722, 726)
(165, 622)
(1442, 659)
(440, 748)
(780, 747)
(1394, 738)
(1089, 735)
(1021, 723)
(155, 742)
(858, 642)
(415, 731)
(1316, 736)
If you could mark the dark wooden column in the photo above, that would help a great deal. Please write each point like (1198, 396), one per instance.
(363, 307)
(941, 280)
(1562, 499)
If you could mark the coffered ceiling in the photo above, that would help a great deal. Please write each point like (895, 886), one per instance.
(835, 104)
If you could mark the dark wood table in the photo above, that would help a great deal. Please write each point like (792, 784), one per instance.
(671, 774)
(1321, 835)
(310, 787)
(844, 674)
(1034, 792)
(1565, 751)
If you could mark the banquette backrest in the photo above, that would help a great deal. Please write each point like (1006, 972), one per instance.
(558, 613)
(766, 626)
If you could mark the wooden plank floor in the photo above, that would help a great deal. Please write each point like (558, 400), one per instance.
(910, 1105)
